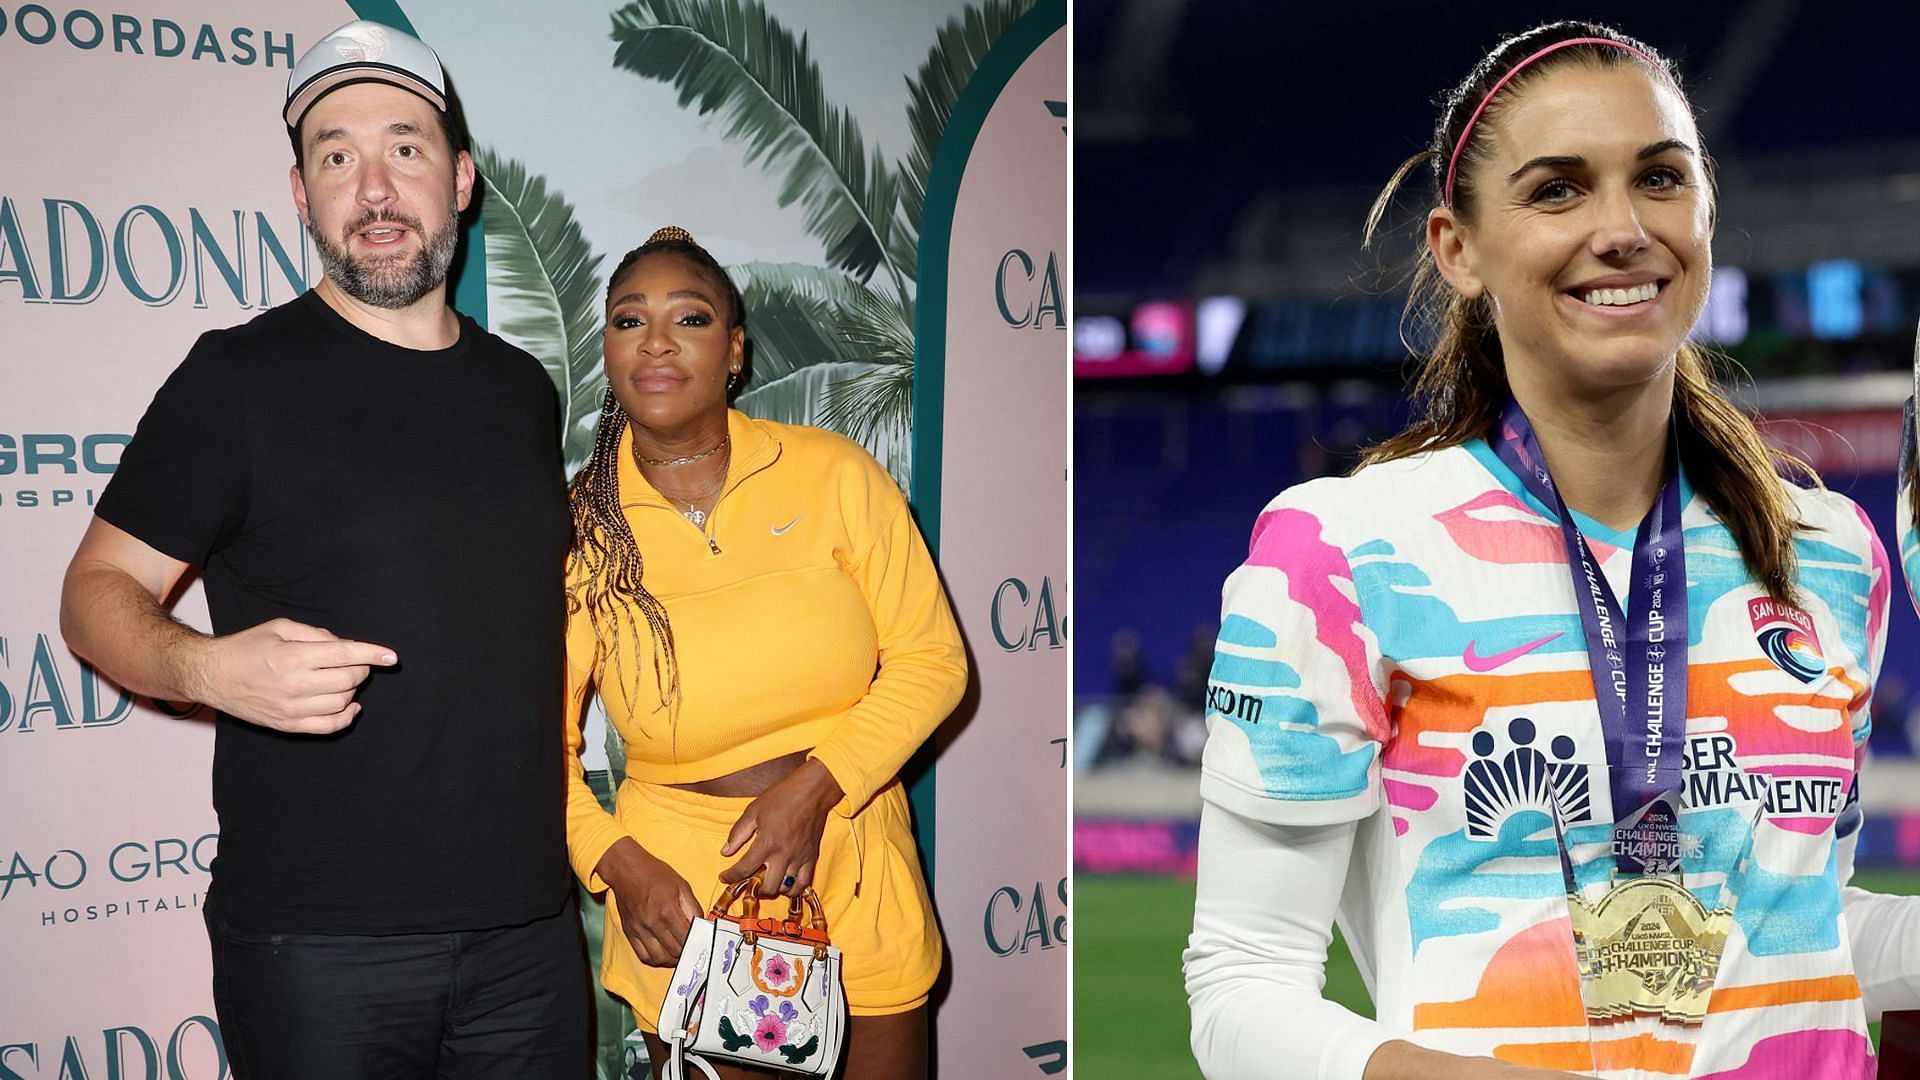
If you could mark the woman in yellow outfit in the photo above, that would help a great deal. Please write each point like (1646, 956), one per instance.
(785, 651)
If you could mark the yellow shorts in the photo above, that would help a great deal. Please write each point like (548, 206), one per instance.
(890, 947)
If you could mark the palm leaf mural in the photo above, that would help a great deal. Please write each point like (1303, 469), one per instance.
(956, 54)
(732, 58)
(875, 407)
(545, 285)
(878, 328)
(803, 316)
(793, 315)
(799, 398)
(804, 397)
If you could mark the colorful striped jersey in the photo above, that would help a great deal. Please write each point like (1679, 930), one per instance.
(1403, 648)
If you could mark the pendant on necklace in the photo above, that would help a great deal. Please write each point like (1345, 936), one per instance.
(698, 517)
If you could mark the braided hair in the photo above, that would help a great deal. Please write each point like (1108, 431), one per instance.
(603, 562)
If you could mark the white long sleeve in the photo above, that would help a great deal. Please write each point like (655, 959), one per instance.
(1885, 931)
(1256, 963)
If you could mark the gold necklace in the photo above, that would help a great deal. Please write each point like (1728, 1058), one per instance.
(690, 508)
(725, 441)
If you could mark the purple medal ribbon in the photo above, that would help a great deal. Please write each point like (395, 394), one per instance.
(1641, 696)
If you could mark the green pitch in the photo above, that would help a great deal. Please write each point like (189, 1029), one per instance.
(1129, 1006)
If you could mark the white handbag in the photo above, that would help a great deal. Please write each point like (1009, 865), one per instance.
(762, 992)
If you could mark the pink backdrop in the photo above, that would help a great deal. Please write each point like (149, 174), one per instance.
(1000, 786)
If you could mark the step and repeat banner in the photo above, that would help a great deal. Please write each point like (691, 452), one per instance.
(991, 414)
(144, 199)
(991, 485)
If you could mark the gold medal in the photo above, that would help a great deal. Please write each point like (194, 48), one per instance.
(1648, 948)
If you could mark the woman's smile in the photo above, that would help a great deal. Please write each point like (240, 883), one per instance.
(1631, 297)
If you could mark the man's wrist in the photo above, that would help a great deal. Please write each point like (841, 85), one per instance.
(190, 657)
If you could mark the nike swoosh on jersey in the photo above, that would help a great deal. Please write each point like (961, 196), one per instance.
(1476, 662)
(781, 530)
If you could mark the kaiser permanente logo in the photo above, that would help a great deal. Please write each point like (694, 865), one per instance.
(130, 35)
(63, 251)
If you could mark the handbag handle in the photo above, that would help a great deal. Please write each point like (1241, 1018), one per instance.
(812, 901)
(752, 925)
(749, 888)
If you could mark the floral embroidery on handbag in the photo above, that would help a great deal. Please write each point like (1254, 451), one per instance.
(776, 974)
(782, 1008)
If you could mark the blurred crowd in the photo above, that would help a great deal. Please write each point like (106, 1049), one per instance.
(1147, 719)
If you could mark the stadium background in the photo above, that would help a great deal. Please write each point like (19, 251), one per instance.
(1232, 339)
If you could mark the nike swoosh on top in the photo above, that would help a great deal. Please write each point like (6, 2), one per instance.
(781, 530)
(1476, 662)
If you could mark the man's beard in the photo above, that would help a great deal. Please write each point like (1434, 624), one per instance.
(393, 281)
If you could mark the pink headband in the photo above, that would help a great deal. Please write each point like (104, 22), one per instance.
(1467, 132)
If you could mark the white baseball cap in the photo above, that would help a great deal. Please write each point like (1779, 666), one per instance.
(364, 51)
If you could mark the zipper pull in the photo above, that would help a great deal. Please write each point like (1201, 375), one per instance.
(713, 547)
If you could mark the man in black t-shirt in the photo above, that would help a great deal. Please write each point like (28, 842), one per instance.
(372, 486)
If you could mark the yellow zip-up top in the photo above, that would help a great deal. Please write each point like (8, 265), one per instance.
(806, 615)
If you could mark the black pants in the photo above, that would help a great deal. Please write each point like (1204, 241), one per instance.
(467, 1005)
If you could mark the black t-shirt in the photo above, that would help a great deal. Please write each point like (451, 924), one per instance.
(412, 499)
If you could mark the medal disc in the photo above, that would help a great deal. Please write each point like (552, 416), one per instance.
(1648, 948)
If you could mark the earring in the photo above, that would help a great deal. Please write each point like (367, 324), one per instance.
(733, 378)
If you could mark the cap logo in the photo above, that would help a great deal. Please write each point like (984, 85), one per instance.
(364, 52)
(361, 44)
